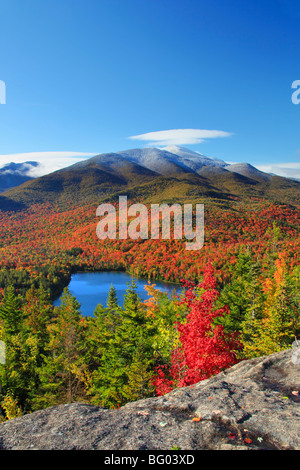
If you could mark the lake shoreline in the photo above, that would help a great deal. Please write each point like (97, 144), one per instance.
(91, 287)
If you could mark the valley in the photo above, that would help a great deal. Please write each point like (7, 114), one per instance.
(241, 289)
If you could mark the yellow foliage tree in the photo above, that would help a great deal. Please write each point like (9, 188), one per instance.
(275, 331)
(10, 406)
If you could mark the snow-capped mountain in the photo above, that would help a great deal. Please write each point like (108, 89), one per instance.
(13, 174)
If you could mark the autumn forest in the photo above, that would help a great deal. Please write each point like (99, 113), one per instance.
(241, 299)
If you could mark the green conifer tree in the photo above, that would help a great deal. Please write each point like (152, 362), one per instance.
(18, 375)
(243, 292)
(112, 300)
(64, 375)
(126, 340)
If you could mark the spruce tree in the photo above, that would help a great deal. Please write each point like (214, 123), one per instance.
(243, 291)
(64, 373)
(18, 376)
(127, 344)
(112, 300)
(11, 315)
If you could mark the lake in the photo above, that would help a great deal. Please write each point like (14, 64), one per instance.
(91, 288)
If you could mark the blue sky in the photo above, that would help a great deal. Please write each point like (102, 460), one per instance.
(84, 77)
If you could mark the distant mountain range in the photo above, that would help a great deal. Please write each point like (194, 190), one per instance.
(14, 174)
(149, 175)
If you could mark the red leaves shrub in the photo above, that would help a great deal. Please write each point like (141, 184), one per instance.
(205, 348)
(162, 384)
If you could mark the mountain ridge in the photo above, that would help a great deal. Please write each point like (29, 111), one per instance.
(153, 174)
(13, 174)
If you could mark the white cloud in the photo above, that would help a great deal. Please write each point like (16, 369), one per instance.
(179, 136)
(48, 161)
(287, 169)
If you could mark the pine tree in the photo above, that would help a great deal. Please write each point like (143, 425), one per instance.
(112, 300)
(126, 340)
(64, 374)
(11, 315)
(243, 292)
(38, 311)
(18, 376)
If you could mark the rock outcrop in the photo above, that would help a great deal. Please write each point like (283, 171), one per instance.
(253, 405)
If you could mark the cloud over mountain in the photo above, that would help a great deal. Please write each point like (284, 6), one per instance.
(47, 161)
(286, 169)
(179, 136)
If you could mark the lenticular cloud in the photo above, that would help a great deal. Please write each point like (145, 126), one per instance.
(180, 136)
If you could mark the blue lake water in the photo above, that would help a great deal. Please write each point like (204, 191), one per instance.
(91, 289)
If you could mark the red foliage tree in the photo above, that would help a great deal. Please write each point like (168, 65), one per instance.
(205, 348)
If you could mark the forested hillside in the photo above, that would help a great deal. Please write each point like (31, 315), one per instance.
(241, 297)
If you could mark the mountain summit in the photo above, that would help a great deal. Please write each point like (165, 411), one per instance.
(248, 170)
(168, 161)
(153, 175)
(196, 157)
